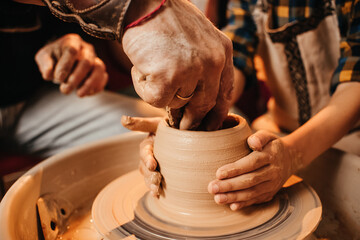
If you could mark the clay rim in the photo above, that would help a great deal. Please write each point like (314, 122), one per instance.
(191, 133)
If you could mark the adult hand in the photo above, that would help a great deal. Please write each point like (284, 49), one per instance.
(179, 52)
(148, 164)
(257, 177)
(73, 64)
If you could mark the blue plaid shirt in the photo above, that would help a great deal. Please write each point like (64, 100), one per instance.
(242, 31)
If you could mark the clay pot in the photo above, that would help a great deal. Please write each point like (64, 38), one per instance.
(188, 161)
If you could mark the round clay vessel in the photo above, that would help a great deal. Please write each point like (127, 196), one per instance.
(188, 161)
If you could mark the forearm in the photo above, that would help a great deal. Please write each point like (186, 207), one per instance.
(328, 126)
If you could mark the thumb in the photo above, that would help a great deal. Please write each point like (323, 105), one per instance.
(258, 140)
(141, 124)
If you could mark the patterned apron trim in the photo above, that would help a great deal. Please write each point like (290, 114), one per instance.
(293, 55)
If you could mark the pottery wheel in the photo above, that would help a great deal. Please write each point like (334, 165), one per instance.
(123, 208)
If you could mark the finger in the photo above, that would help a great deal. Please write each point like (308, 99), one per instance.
(45, 63)
(147, 153)
(141, 124)
(249, 163)
(218, 113)
(155, 178)
(200, 104)
(155, 190)
(241, 182)
(174, 116)
(152, 179)
(245, 195)
(258, 140)
(66, 62)
(82, 69)
(93, 85)
(266, 197)
(96, 81)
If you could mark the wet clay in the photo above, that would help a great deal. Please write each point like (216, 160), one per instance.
(124, 208)
(148, 210)
(188, 161)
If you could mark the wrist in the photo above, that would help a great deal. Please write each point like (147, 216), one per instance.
(140, 8)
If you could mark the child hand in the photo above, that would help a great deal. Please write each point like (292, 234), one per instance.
(257, 177)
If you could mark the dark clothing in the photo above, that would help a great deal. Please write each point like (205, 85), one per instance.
(24, 29)
(99, 18)
(20, 39)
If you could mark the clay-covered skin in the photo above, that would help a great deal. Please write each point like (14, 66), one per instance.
(275, 158)
(72, 63)
(257, 177)
(179, 51)
(148, 164)
(253, 179)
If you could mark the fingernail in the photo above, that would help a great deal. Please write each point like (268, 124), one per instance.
(254, 143)
(149, 165)
(234, 206)
(65, 88)
(220, 198)
(223, 174)
(126, 120)
(215, 188)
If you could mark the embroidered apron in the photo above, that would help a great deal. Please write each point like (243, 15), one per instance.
(300, 58)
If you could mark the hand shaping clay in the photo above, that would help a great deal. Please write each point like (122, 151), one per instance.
(188, 161)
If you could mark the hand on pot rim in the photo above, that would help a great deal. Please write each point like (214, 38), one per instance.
(179, 52)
